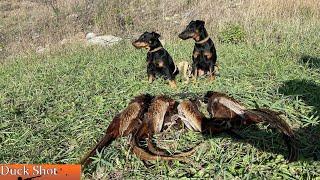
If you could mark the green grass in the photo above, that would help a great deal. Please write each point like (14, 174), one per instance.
(55, 107)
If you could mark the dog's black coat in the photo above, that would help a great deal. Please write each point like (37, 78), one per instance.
(204, 53)
(159, 61)
(168, 70)
(202, 61)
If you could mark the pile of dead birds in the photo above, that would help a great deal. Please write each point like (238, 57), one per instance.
(148, 115)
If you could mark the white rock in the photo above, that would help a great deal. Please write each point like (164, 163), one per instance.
(90, 35)
(106, 40)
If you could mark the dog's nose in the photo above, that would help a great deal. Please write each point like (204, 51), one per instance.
(134, 43)
(183, 36)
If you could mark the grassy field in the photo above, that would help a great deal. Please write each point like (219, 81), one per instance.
(55, 107)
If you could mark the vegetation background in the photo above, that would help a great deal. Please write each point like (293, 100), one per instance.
(57, 95)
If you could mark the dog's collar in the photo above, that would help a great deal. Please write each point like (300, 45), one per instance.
(156, 49)
(203, 40)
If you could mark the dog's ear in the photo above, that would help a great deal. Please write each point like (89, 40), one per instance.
(200, 23)
(144, 34)
(155, 35)
(191, 22)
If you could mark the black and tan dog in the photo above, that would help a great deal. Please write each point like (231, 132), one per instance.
(159, 61)
(204, 53)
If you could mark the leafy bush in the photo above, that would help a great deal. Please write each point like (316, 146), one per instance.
(232, 33)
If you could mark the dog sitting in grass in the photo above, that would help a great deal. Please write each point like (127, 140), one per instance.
(159, 61)
(204, 53)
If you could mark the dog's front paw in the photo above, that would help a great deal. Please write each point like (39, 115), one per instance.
(212, 78)
(150, 79)
(173, 84)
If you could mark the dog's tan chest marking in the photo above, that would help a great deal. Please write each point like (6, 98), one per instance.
(207, 54)
(160, 63)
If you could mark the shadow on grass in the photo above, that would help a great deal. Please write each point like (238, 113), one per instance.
(307, 137)
(307, 90)
(263, 140)
(311, 61)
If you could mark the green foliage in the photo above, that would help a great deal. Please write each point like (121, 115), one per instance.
(232, 33)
